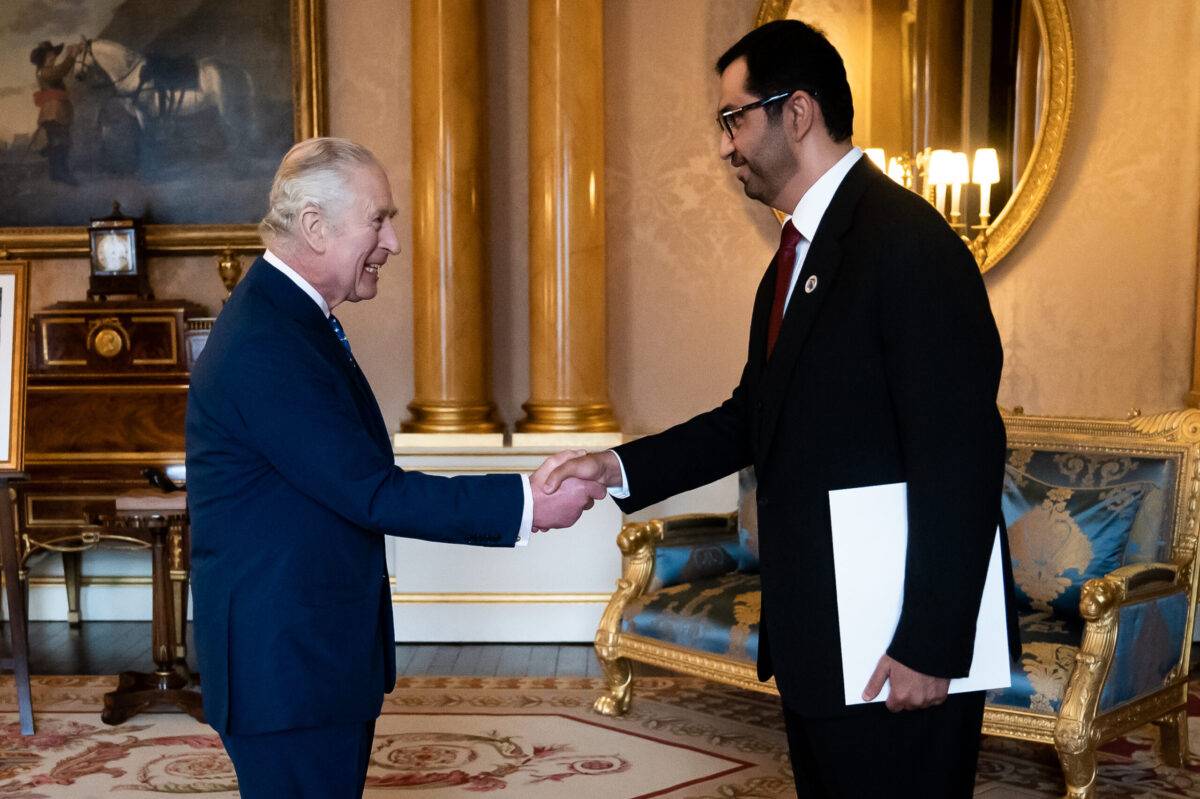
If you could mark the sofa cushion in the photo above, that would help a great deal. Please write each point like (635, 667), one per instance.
(1062, 536)
(686, 563)
(1048, 647)
(1150, 538)
(718, 615)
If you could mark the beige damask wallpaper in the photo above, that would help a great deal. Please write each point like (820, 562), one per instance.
(1095, 305)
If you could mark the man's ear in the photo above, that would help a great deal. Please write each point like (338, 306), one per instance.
(313, 228)
(802, 111)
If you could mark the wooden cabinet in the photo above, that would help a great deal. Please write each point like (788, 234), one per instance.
(106, 398)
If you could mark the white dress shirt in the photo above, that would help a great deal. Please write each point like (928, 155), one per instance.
(811, 208)
(527, 509)
(806, 218)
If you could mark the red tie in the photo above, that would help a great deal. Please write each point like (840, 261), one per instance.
(785, 264)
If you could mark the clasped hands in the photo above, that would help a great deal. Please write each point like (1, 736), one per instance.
(569, 483)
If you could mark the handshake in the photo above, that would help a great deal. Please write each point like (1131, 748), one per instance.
(569, 483)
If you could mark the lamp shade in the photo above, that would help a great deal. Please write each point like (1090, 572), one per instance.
(986, 170)
(940, 171)
(895, 170)
(876, 154)
(960, 170)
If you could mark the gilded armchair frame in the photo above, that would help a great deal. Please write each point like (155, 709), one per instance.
(1079, 727)
(638, 542)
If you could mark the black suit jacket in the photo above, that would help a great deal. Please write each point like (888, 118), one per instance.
(291, 486)
(886, 372)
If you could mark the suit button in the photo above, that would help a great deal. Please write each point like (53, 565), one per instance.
(763, 502)
(759, 406)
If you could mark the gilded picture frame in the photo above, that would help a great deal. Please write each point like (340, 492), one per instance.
(307, 92)
(14, 322)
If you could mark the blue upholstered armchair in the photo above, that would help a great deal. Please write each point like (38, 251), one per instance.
(1101, 520)
(1102, 526)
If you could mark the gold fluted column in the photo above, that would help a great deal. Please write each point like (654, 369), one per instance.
(451, 373)
(568, 371)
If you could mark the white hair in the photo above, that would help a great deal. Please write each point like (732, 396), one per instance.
(313, 173)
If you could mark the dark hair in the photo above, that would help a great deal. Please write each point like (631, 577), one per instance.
(787, 55)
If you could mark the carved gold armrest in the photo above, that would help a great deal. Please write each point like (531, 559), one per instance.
(638, 542)
(1100, 604)
(1104, 595)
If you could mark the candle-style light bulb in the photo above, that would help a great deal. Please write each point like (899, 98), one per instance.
(895, 170)
(985, 173)
(960, 173)
(938, 174)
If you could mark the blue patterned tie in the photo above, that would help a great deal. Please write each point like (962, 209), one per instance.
(341, 335)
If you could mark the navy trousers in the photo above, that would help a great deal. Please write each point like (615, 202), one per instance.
(313, 763)
(870, 751)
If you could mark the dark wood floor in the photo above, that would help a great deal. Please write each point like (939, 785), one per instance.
(110, 647)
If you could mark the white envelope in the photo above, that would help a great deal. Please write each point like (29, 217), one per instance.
(870, 538)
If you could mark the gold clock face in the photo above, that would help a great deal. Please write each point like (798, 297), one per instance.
(107, 343)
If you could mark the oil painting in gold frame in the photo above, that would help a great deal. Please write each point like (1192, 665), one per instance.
(173, 52)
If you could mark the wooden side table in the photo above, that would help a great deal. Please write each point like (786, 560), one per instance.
(161, 519)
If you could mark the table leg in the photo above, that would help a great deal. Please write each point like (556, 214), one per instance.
(137, 691)
(72, 572)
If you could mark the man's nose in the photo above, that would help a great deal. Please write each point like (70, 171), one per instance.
(726, 148)
(388, 240)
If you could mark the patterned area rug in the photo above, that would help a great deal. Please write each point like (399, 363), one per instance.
(449, 737)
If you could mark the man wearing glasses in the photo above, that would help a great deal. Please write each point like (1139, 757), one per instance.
(873, 359)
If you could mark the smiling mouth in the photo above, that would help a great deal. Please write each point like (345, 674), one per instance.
(373, 268)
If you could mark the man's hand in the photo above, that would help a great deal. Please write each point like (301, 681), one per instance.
(569, 499)
(599, 467)
(911, 690)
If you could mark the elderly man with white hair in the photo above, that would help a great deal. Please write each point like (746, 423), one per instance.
(292, 485)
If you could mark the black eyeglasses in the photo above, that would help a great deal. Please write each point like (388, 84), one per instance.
(730, 120)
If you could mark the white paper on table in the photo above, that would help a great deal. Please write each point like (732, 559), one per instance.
(870, 539)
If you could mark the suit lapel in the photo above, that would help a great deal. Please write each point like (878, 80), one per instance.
(816, 281)
(368, 405)
(292, 301)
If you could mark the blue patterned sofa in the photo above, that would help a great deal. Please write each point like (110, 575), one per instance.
(1102, 527)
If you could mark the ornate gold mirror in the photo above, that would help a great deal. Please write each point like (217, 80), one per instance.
(963, 101)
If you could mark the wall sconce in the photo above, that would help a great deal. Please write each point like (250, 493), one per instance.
(935, 170)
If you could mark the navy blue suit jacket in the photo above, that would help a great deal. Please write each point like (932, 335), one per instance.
(291, 486)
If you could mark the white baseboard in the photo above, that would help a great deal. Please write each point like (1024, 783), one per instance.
(492, 622)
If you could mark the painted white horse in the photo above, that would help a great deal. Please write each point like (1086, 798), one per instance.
(157, 91)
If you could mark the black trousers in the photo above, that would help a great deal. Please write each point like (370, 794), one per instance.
(870, 751)
(314, 763)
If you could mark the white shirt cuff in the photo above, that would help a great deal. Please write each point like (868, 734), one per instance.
(526, 514)
(621, 491)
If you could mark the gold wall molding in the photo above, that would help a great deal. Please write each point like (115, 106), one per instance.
(105, 580)
(451, 375)
(1193, 395)
(498, 598)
